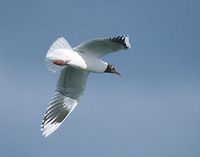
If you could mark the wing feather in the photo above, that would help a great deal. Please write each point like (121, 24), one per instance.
(70, 87)
(101, 47)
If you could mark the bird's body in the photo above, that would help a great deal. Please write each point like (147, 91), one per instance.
(75, 65)
(89, 63)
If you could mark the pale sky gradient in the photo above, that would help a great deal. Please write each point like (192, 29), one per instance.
(152, 110)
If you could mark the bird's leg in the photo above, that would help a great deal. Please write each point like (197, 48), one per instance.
(60, 63)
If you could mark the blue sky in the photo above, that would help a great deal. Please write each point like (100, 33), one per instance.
(151, 110)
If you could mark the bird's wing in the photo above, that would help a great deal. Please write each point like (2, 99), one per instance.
(70, 87)
(101, 47)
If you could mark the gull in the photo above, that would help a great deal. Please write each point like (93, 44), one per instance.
(75, 65)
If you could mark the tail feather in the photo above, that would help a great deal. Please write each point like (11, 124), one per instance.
(56, 52)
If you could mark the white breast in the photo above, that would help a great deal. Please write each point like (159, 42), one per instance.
(93, 63)
(76, 60)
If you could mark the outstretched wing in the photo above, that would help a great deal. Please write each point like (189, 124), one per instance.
(101, 47)
(70, 87)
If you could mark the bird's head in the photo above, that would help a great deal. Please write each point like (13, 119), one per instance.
(111, 69)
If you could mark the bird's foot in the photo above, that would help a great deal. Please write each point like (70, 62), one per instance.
(60, 63)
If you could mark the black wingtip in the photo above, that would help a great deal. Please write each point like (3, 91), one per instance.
(124, 40)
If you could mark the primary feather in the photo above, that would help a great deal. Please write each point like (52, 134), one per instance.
(69, 89)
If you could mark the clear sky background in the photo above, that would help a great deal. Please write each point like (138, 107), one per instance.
(152, 110)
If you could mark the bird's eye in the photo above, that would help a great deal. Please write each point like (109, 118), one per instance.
(112, 67)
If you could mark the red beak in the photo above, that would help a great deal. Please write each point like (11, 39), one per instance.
(117, 73)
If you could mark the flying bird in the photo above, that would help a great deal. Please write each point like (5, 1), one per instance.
(75, 65)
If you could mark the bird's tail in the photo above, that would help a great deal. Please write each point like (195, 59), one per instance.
(57, 52)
